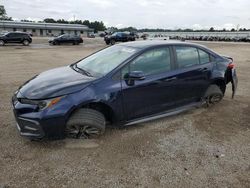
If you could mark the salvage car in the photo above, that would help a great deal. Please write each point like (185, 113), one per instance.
(66, 39)
(119, 37)
(121, 85)
(15, 37)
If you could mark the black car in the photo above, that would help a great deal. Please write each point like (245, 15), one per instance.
(15, 37)
(66, 39)
(121, 85)
(118, 37)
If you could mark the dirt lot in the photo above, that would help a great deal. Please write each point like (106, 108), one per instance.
(199, 148)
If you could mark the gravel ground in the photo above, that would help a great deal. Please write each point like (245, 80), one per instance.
(199, 148)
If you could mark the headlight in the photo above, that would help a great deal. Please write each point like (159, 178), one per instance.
(48, 103)
(41, 104)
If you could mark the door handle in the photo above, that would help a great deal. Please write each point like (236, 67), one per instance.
(170, 79)
(203, 69)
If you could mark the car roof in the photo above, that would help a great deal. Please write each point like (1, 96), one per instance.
(18, 32)
(154, 43)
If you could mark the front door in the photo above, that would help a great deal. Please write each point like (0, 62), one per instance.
(156, 92)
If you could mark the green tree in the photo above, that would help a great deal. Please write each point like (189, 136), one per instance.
(211, 29)
(49, 20)
(62, 21)
(3, 14)
(97, 26)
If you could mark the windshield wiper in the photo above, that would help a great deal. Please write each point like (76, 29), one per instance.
(83, 71)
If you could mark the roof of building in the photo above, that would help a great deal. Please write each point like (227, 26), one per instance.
(33, 25)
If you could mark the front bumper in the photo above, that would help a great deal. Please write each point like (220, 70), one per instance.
(29, 128)
(35, 124)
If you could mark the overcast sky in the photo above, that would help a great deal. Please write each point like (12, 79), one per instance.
(196, 14)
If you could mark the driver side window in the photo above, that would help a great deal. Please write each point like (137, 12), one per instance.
(152, 62)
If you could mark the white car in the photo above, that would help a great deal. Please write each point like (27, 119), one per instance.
(158, 37)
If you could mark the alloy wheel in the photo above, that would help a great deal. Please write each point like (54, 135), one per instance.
(75, 131)
(1, 43)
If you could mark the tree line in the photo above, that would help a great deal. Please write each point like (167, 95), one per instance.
(133, 29)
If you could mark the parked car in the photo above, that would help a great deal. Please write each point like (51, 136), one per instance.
(144, 36)
(103, 34)
(91, 35)
(118, 37)
(157, 37)
(15, 37)
(66, 39)
(121, 85)
(134, 35)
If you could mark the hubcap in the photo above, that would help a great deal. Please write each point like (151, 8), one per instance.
(26, 42)
(75, 131)
(1, 43)
(215, 98)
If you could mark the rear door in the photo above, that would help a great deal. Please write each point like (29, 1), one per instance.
(193, 70)
(63, 39)
(13, 37)
(156, 92)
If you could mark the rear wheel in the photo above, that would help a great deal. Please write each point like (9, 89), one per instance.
(213, 95)
(2, 43)
(26, 43)
(85, 123)
(112, 42)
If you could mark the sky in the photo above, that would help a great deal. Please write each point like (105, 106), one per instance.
(167, 14)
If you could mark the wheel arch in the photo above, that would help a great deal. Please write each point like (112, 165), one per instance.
(220, 82)
(102, 107)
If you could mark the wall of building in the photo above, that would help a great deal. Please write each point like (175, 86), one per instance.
(44, 32)
(44, 29)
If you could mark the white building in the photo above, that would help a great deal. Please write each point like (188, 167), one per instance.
(44, 29)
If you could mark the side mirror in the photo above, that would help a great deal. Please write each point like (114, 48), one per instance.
(136, 75)
(132, 76)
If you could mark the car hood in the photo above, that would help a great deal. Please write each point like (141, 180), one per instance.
(108, 36)
(52, 39)
(54, 82)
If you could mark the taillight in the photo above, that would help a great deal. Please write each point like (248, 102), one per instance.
(231, 65)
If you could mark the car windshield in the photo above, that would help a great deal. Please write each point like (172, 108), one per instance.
(114, 34)
(104, 61)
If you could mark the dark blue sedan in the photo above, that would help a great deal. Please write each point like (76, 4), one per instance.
(121, 85)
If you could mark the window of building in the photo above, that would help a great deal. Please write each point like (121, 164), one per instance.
(24, 30)
(49, 31)
(81, 32)
(33, 30)
(14, 29)
(186, 56)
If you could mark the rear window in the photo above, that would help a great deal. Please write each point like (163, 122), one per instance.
(187, 56)
(204, 56)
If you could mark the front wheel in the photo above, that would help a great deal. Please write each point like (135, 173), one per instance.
(26, 43)
(2, 43)
(85, 123)
(112, 42)
(213, 95)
